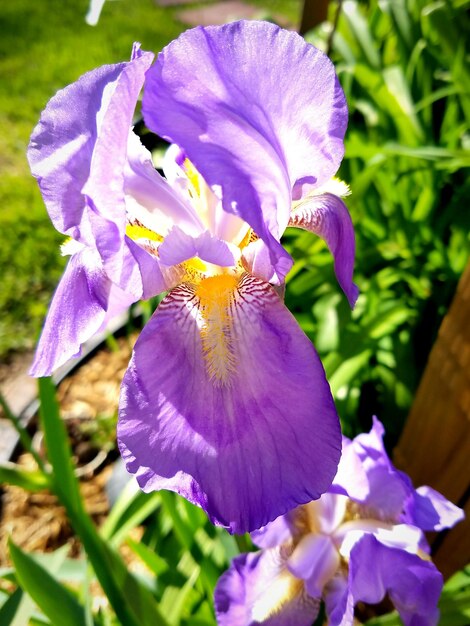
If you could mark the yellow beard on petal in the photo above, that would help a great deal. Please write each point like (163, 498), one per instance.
(282, 590)
(137, 231)
(216, 295)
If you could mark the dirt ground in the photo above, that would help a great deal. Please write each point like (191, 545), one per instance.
(88, 399)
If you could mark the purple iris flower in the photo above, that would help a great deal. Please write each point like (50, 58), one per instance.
(225, 400)
(361, 540)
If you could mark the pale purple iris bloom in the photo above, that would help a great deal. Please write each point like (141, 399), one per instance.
(361, 540)
(225, 400)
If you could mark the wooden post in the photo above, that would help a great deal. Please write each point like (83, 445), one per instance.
(434, 448)
(314, 12)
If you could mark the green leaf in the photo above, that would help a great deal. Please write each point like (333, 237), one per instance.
(348, 370)
(360, 28)
(390, 619)
(132, 601)
(397, 86)
(58, 448)
(152, 560)
(17, 610)
(23, 434)
(325, 311)
(57, 602)
(186, 537)
(12, 474)
(386, 322)
(130, 509)
(177, 598)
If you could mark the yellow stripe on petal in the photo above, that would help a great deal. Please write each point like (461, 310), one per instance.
(193, 175)
(216, 295)
(137, 231)
(195, 264)
(283, 589)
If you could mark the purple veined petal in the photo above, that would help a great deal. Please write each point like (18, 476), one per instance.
(430, 510)
(226, 403)
(413, 585)
(339, 605)
(257, 260)
(280, 531)
(257, 589)
(351, 479)
(62, 144)
(326, 215)
(315, 560)
(256, 109)
(76, 313)
(178, 247)
(400, 536)
(104, 187)
(388, 490)
(149, 197)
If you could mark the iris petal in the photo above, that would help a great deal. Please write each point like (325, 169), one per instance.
(83, 302)
(256, 109)
(257, 589)
(179, 247)
(226, 402)
(60, 154)
(78, 152)
(413, 585)
(150, 198)
(430, 510)
(326, 215)
(315, 560)
(104, 188)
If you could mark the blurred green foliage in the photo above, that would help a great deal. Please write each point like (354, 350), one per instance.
(405, 71)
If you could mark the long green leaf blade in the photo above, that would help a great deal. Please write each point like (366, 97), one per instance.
(58, 448)
(11, 474)
(132, 601)
(53, 599)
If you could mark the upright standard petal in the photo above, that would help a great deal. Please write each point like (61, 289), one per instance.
(257, 110)
(226, 402)
(258, 589)
(387, 488)
(326, 215)
(351, 479)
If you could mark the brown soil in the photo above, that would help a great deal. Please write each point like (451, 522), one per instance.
(36, 521)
